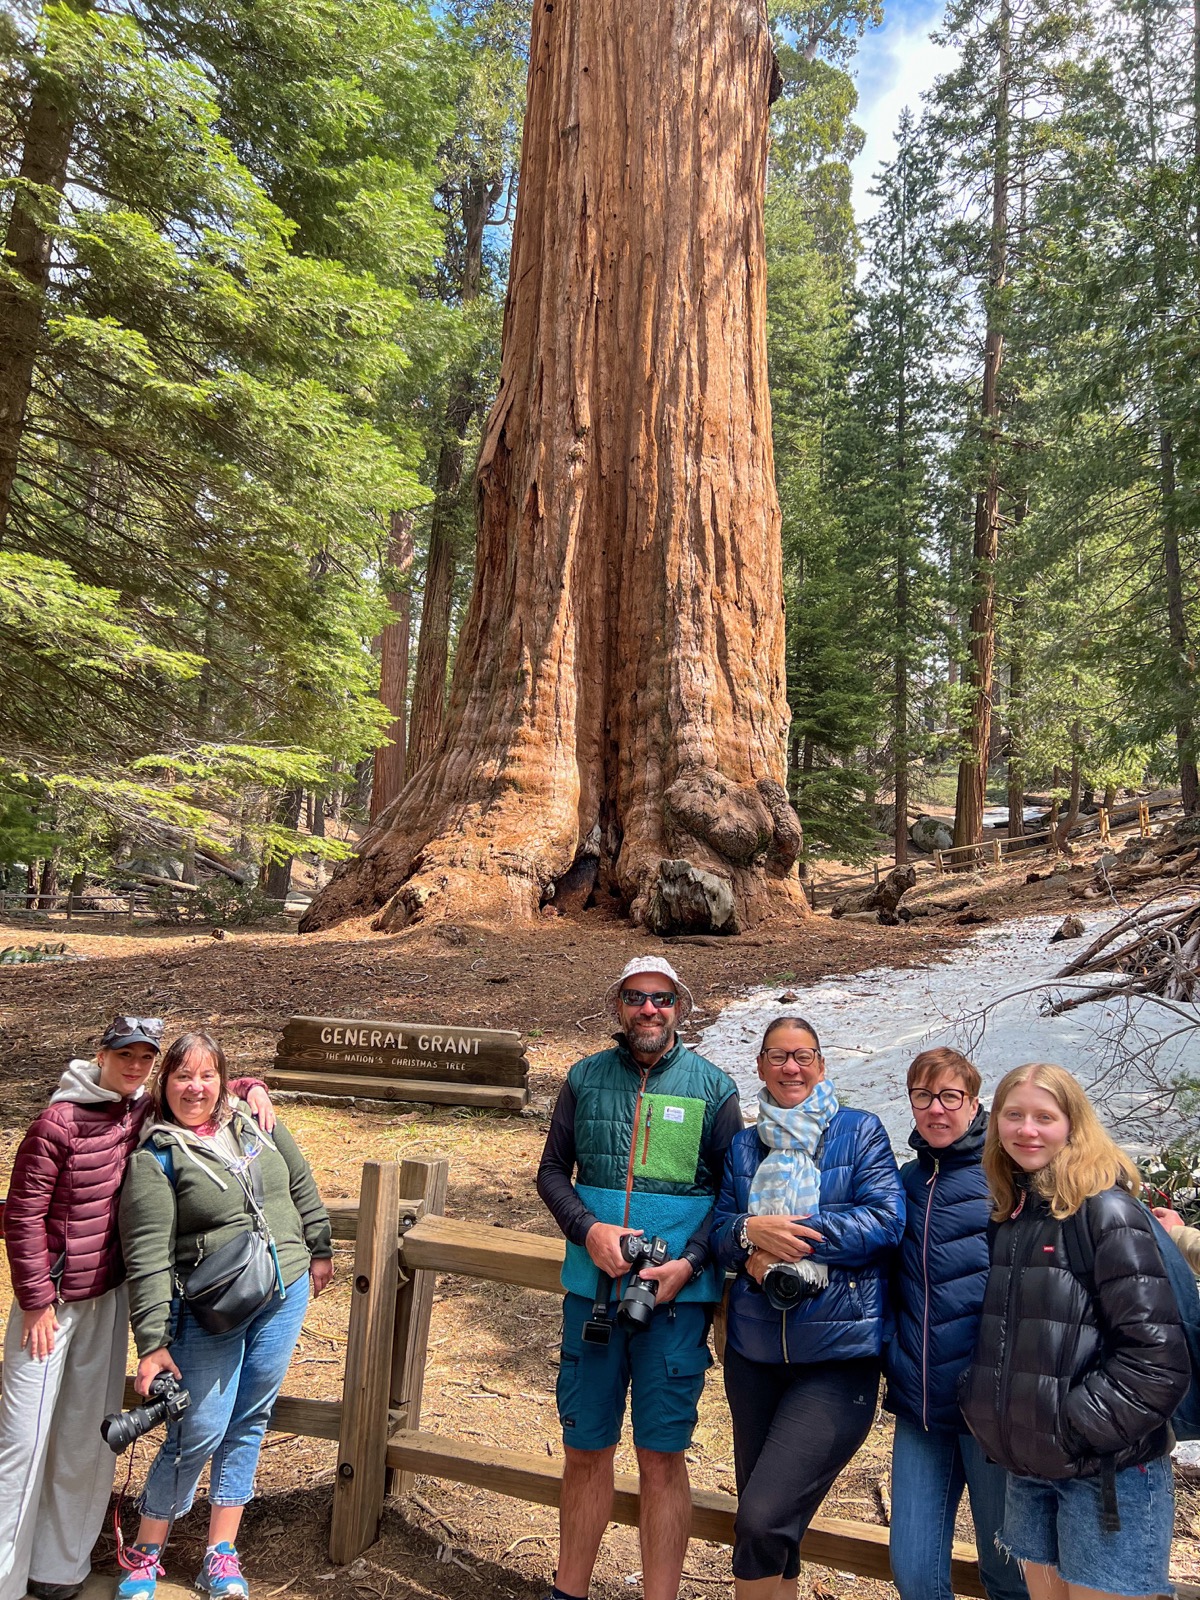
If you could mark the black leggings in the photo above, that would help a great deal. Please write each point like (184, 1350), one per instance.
(794, 1429)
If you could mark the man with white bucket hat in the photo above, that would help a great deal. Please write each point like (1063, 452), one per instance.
(635, 1153)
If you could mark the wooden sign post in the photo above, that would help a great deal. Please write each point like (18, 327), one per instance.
(373, 1059)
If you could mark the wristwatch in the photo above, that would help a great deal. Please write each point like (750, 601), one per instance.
(745, 1242)
(696, 1266)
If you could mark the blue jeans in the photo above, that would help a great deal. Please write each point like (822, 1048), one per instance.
(233, 1379)
(929, 1473)
(1059, 1525)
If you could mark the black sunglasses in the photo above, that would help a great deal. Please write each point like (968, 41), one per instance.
(661, 1000)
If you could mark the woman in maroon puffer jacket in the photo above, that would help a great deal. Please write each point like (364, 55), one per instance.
(64, 1353)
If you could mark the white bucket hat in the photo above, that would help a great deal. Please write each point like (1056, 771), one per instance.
(650, 964)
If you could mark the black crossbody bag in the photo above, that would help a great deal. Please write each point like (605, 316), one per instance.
(236, 1281)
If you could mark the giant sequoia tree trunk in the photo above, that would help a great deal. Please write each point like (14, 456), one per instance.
(477, 194)
(390, 759)
(618, 692)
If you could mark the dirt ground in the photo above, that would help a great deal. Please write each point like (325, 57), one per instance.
(491, 1372)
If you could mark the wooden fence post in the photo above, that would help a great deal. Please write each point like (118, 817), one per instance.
(426, 1181)
(997, 856)
(1104, 825)
(362, 1442)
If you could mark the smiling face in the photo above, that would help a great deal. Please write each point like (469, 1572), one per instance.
(939, 1124)
(650, 1028)
(193, 1090)
(1032, 1127)
(788, 1080)
(124, 1071)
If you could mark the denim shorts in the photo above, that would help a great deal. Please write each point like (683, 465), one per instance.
(663, 1366)
(1057, 1524)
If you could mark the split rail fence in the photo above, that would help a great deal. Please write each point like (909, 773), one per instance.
(992, 852)
(402, 1240)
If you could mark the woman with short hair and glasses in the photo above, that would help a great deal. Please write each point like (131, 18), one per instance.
(809, 1213)
(68, 1329)
(940, 1286)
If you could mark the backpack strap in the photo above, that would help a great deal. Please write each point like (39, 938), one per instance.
(1080, 1248)
(165, 1156)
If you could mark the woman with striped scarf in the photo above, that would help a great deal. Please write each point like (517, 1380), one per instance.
(809, 1213)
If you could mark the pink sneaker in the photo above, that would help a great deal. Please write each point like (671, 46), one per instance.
(221, 1574)
(142, 1572)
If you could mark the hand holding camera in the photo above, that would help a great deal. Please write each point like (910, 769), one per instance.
(785, 1238)
(641, 1292)
(167, 1399)
(603, 1244)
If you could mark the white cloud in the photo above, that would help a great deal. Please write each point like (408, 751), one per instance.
(895, 65)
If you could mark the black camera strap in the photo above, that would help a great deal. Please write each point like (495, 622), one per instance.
(603, 1296)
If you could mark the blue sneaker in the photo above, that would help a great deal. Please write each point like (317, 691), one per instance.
(221, 1574)
(142, 1572)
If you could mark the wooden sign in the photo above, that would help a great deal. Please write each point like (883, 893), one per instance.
(371, 1058)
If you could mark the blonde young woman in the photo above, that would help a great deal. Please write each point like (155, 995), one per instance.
(1076, 1373)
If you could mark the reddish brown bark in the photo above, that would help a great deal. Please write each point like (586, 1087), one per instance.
(437, 596)
(619, 682)
(388, 779)
(475, 198)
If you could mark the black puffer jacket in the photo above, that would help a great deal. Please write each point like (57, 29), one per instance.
(1063, 1385)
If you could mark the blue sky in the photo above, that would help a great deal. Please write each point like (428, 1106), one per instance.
(895, 64)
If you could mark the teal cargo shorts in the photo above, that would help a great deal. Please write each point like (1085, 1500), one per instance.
(663, 1367)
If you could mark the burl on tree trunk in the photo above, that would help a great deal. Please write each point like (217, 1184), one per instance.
(618, 712)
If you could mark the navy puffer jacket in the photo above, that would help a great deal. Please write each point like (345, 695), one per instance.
(942, 1277)
(861, 1219)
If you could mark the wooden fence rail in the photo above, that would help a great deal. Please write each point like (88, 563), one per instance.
(436, 1243)
(401, 1241)
(993, 851)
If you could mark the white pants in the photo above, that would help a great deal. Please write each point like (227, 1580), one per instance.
(56, 1472)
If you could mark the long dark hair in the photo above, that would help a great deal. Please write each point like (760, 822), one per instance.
(175, 1057)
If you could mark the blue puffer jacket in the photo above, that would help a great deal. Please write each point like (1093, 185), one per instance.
(861, 1218)
(943, 1273)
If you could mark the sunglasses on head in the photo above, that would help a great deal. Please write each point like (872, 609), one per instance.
(661, 999)
(121, 1027)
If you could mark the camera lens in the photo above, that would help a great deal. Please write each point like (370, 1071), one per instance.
(637, 1304)
(784, 1287)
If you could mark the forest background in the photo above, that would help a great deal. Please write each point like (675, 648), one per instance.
(250, 308)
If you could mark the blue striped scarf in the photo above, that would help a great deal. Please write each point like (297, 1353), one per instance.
(788, 1182)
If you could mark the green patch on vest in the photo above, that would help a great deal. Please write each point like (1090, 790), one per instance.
(667, 1138)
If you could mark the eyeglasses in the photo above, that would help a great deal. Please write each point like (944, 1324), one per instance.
(780, 1058)
(661, 1000)
(948, 1099)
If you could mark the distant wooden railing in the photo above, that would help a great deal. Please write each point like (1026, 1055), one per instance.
(991, 852)
(130, 904)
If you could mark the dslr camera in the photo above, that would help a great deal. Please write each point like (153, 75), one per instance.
(167, 1400)
(637, 1303)
(788, 1283)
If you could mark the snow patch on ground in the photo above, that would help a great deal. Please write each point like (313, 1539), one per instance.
(872, 1023)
